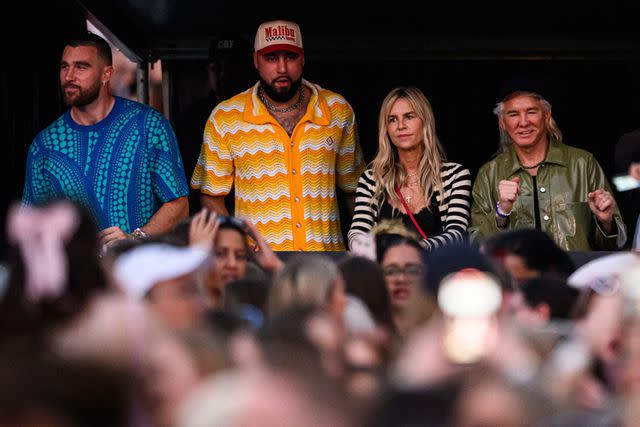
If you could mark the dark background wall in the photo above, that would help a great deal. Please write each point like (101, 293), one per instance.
(594, 101)
(458, 56)
(31, 34)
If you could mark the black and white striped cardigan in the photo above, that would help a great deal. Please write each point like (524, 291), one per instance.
(454, 207)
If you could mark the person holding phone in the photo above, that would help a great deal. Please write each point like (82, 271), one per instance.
(538, 182)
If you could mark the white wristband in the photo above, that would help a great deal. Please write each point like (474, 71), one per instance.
(500, 213)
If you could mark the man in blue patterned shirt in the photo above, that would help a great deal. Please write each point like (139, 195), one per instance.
(117, 158)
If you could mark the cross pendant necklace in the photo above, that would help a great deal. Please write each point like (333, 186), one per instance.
(408, 198)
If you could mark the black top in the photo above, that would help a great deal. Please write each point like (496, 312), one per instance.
(536, 203)
(189, 128)
(428, 220)
(452, 210)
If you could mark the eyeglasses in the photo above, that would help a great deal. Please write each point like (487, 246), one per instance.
(412, 270)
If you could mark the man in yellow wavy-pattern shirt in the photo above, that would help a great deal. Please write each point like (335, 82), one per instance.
(284, 144)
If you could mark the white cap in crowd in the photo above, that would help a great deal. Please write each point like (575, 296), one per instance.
(141, 268)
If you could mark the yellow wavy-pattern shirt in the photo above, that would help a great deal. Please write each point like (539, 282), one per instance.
(284, 184)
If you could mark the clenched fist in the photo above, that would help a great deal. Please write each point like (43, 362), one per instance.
(602, 204)
(508, 192)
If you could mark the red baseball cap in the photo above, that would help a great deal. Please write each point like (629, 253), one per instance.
(278, 35)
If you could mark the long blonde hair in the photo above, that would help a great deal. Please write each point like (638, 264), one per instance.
(387, 170)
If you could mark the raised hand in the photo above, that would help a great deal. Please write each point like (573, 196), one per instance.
(602, 204)
(508, 192)
(265, 257)
(203, 229)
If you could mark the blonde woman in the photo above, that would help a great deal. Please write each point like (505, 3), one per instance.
(409, 178)
(311, 279)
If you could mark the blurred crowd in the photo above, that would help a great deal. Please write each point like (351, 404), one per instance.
(206, 326)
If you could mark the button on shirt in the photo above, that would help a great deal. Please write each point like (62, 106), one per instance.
(283, 181)
(561, 187)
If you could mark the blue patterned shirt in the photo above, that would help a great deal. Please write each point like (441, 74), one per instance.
(121, 169)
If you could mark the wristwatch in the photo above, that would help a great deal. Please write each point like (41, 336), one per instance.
(138, 234)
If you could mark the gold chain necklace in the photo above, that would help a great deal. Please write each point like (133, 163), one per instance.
(273, 109)
(408, 195)
(412, 182)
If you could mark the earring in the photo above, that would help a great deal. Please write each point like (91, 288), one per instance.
(104, 83)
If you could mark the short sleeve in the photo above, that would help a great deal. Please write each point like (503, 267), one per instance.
(36, 186)
(213, 174)
(350, 163)
(167, 173)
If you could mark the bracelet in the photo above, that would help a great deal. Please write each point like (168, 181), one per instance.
(138, 234)
(500, 213)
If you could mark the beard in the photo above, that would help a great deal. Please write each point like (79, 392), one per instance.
(82, 97)
(280, 94)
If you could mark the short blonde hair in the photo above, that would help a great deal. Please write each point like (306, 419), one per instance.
(308, 279)
(393, 226)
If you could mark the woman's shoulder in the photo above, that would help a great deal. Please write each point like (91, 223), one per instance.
(451, 168)
(368, 175)
(366, 183)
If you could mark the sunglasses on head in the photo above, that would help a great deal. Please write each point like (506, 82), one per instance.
(234, 222)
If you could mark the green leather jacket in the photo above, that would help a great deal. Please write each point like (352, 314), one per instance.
(563, 181)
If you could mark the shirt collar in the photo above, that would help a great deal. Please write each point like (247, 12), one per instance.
(555, 155)
(317, 112)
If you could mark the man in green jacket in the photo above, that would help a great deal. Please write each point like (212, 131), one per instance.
(536, 181)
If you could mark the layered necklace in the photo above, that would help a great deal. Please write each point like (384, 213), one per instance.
(411, 190)
(291, 107)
